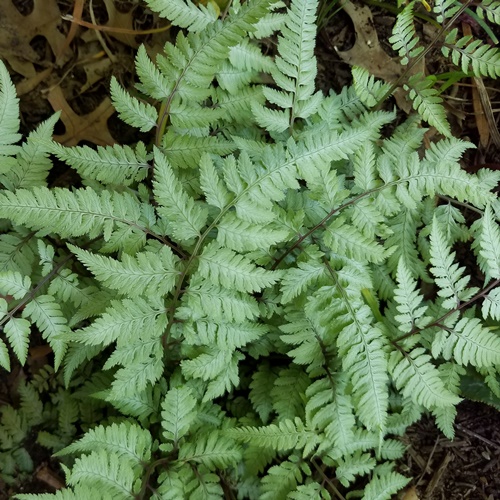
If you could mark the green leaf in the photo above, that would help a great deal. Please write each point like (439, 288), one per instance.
(114, 477)
(177, 413)
(15, 284)
(419, 379)
(146, 273)
(182, 213)
(17, 331)
(287, 435)
(214, 450)
(224, 267)
(128, 441)
(132, 111)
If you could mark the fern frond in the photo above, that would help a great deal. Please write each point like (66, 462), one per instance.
(344, 239)
(419, 379)
(308, 491)
(298, 279)
(475, 56)
(302, 333)
(141, 373)
(449, 277)
(209, 365)
(31, 405)
(132, 111)
(79, 492)
(108, 165)
(123, 319)
(15, 284)
(113, 476)
(491, 305)
(287, 435)
(177, 413)
(215, 451)
(445, 417)
(184, 216)
(71, 214)
(334, 416)
(248, 56)
(383, 487)
(218, 303)
(404, 38)
(46, 313)
(233, 271)
(427, 102)
(147, 273)
(273, 120)
(358, 464)
(468, 342)
(369, 90)
(450, 149)
(17, 331)
(260, 391)
(410, 308)
(489, 9)
(283, 478)
(211, 184)
(241, 236)
(194, 61)
(294, 71)
(128, 441)
(361, 346)
(9, 113)
(32, 162)
(489, 245)
(288, 393)
(445, 9)
(444, 178)
(184, 13)
(17, 252)
(225, 335)
(269, 23)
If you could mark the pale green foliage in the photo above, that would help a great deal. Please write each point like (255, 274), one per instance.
(489, 9)
(404, 38)
(294, 71)
(471, 55)
(369, 90)
(239, 306)
(427, 101)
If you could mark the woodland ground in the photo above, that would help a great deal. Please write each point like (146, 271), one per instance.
(59, 67)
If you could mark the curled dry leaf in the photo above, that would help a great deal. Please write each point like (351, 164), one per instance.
(17, 31)
(92, 127)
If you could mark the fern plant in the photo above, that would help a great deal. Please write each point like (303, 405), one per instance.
(473, 57)
(248, 288)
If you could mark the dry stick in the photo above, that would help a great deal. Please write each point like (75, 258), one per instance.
(462, 429)
(110, 54)
(125, 31)
(327, 480)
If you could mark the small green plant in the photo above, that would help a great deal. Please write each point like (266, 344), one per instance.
(48, 415)
(472, 56)
(248, 289)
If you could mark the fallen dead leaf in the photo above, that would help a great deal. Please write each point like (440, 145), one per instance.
(369, 54)
(17, 31)
(92, 127)
(410, 494)
(29, 84)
